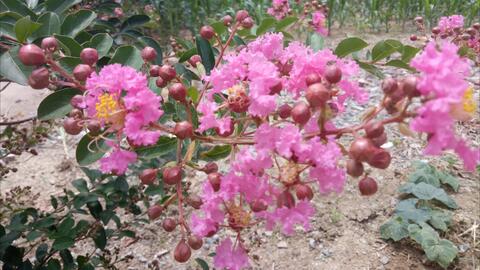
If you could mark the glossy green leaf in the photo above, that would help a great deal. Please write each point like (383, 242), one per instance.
(371, 69)
(399, 64)
(285, 22)
(203, 264)
(60, 6)
(80, 185)
(350, 45)
(74, 23)
(24, 27)
(187, 54)
(102, 42)
(219, 28)
(100, 238)
(148, 41)
(206, 53)
(50, 25)
(381, 50)
(163, 146)
(265, 25)
(193, 93)
(127, 55)
(217, 152)
(62, 243)
(16, 71)
(69, 63)
(408, 52)
(69, 45)
(134, 21)
(88, 152)
(41, 252)
(16, 6)
(57, 104)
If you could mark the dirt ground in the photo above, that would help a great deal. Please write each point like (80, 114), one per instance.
(345, 229)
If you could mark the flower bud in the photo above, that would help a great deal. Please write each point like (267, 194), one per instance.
(77, 102)
(333, 74)
(374, 129)
(207, 32)
(178, 92)
(436, 30)
(167, 72)
(354, 168)
(389, 85)
(227, 132)
(238, 102)
(195, 242)
(154, 211)
(258, 206)
(368, 186)
(284, 111)
(380, 140)
(148, 176)
(360, 149)
(81, 72)
(276, 88)
(49, 44)
(182, 252)
(183, 130)
(313, 78)
(317, 95)
(172, 175)
(169, 224)
(154, 70)
(476, 26)
(31, 55)
(194, 60)
(301, 113)
(72, 126)
(303, 192)
(399, 94)
(149, 54)
(379, 159)
(241, 15)
(212, 232)
(247, 23)
(210, 167)
(227, 20)
(413, 38)
(410, 86)
(94, 127)
(76, 114)
(215, 180)
(285, 199)
(194, 201)
(160, 82)
(89, 56)
(419, 19)
(40, 78)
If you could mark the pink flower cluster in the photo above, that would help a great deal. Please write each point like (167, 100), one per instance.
(447, 24)
(443, 83)
(279, 9)
(119, 98)
(319, 22)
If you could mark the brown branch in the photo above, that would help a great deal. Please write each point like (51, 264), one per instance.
(18, 121)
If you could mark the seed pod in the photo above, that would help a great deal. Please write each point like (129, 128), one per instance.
(361, 149)
(317, 95)
(167, 72)
(285, 199)
(374, 129)
(31, 55)
(178, 92)
(215, 180)
(160, 82)
(154, 211)
(194, 201)
(149, 54)
(148, 176)
(258, 206)
(82, 71)
(169, 224)
(313, 78)
(333, 74)
(182, 252)
(380, 140)
(367, 186)
(389, 85)
(195, 242)
(154, 70)
(277, 88)
(247, 23)
(49, 44)
(194, 60)
(172, 175)
(284, 111)
(303, 192)
(207, 32)
(183, 130)
(72, 126)
(40, 78)
(89, 56)
(241, 15)
(227, 20)
(94, 127)
(354, 168)
(301, 113)
(380, 158)
(210, 167)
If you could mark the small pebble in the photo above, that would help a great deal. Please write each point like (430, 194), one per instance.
(312, 243)
(463, 248)
(384, 259)
(282, 244)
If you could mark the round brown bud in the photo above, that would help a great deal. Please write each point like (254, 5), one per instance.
(81, 72)
(89, 56)
(178, 92)
(374, 129)
(436, 30)
(154, 211)
(169, 224)
(389, 85)
(94, 127)
(333, 74)
(360, 149)
(149, 54)
(303, 192)
(160, 82)
(354, 168)
(276, 88)
(210, 167)
(367, 186)
(410, 86)
(154, 70)
(317, 95)
(241, 15)
(167, 72)
(49, 44)
(285, 199)
(379, 159)
(258, 206)
(183, 130)
(413, 38)
(148, 176)
(207, 32)
(72, 126)
(40, 78)
(313, 78)
(301, 113)
(247, 23)
(419, 19)
(284, 111)
(380, 140)
(172, 175)
(194, 201)
(215, 180)
(31, 55)
(194, 60)
(182, 252)
(227, 20)
(195, 242)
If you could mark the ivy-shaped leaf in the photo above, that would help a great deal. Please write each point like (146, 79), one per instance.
(395, 229)
(441, 251)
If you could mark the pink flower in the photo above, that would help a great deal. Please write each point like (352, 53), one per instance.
(209, 120)
(287, 218)
(230, 256)
(279, 9)
(447, 24)
(117, 161)
(318, 20)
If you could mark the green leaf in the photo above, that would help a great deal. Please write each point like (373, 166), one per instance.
(50, 24)
(282, 24)
(217, 152)
(60, 6)
(62, 243)
(134, 21)
(102, 42)
(54, 264)
(163, 146)
(69, 63)
(57, 104)
(41, 251)
(88, 151)
(187, 54)
(425, 191)
(71, 47)
(100, 238)
(219, 28)
(127, 55)
(75, 23)
(395, 229)
(193, 93)
(408, 52)
(155, 190)
(423, 173)
(24, 28)
(266, 24)
(448, 179)
(350, 45)
(17, 7)
(382, 50)
(148, 41)
(442, 251)
(16, 71)
(408, 211)
(399, 64)
(32, 235)
(203, 264)
(206, 53)
(80, 185)
(422, 233)
(440, 219)
(371, 69)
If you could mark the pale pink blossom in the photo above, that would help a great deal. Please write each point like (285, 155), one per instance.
(117, 161)
(230, 256)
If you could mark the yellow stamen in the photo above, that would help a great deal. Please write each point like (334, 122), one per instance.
(110, 110)
(469, 104)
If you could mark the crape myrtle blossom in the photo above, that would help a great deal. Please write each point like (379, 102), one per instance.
(119, 98)
(449, 98)
(279, 9)
(231, 256)
(319, 22)
(447, 24)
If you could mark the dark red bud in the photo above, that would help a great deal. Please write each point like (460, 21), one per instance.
(31, 55)
(82, 71)
(285, 199)
(178, 92)
(160, 82)
(312, 79)
(436, 30)
(317, 95)
(368, 186)
(410, 86)
(241, 15)
(172, 175)
(210, 167)
(148, 176)
(227, 132)
(49, 44)
(169, 224)
(149, 54)
(258, 206)
(238, 103)
(380, 159)
(301, 113)
(413, 38)
(389, 85)
(94, 127)
(154, 70)
(284, 111)
(167, 72)
(207, 32)
(40, 78)
(194, 60)
(227, 20)
(374, 129)
(360, 149)
(195, 242)
(182, 252)
(248, 23)
(195, 201)
(215, 180)
(399, 94)
(89, 56)
(154, 211)
(380, 140)
(419, 19)
(276, 88)
(303, 192)
(476, 26)
(354, 168)
(72, 126)
(333, 74)
(183, 130)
